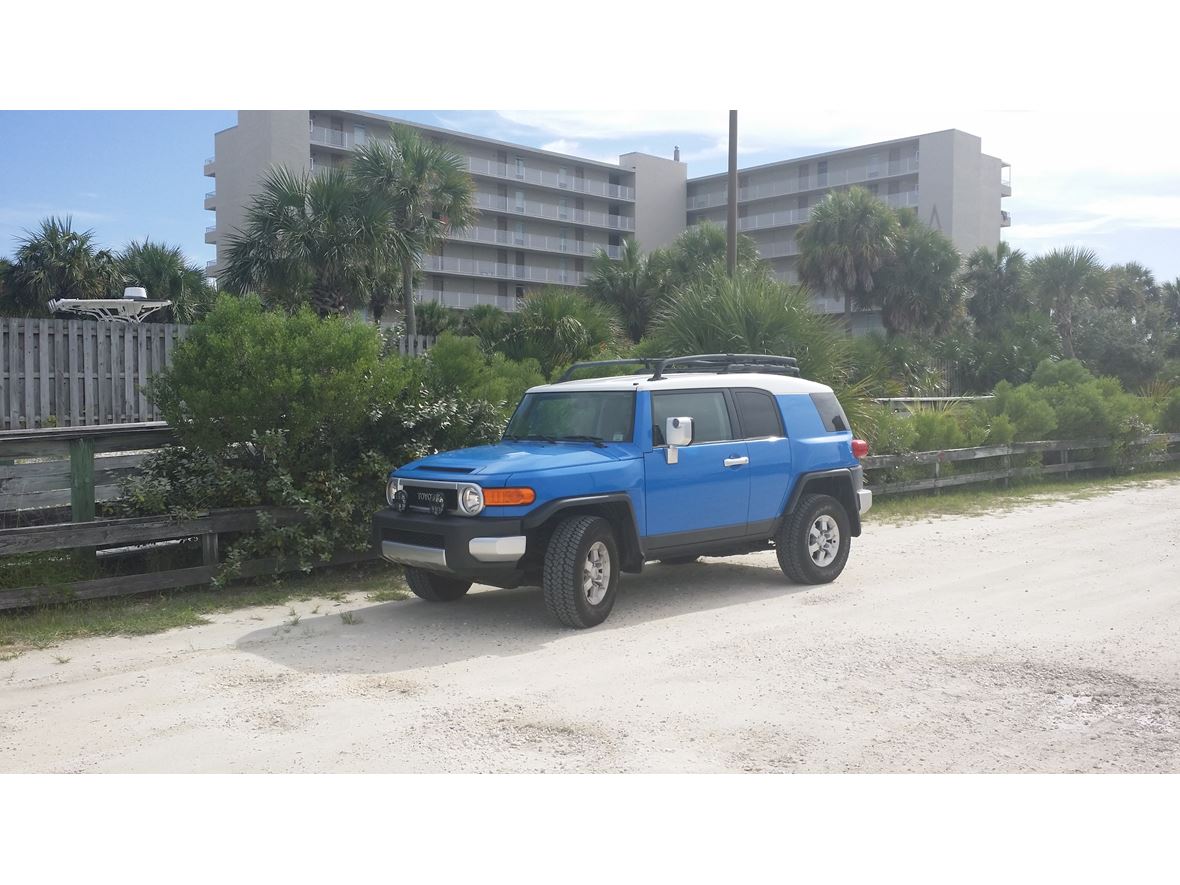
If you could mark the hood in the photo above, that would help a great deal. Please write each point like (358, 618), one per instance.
(503, 459)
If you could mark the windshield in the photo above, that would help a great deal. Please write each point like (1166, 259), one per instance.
(593, 416)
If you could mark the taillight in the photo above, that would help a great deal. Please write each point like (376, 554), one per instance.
(860, 448)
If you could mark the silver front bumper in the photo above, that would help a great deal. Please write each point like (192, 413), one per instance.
(412, 554)
(864, 500)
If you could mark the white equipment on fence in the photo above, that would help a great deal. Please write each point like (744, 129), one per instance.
(133, 307)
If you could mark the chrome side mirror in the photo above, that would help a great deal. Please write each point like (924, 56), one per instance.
(677, 432)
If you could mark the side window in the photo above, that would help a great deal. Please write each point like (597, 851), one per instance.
(759, 414)
(710, 417)
(830, 411)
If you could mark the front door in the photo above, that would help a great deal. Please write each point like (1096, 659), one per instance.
(706, 494)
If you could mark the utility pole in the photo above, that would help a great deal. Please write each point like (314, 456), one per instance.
(731, 227)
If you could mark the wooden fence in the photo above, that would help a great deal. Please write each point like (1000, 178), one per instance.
(1156, 448)
(78, 466)
(71, 373)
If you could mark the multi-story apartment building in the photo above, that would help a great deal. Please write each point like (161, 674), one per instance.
(944, 176)
(543, 215)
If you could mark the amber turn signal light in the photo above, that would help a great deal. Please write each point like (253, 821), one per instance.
(508, 497)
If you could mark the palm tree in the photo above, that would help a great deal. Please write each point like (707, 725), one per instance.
(1064, 277)
(750, 313)
(558, 326)
(168, 275)
(58, 262)
(1133, 286)
(312, 238)
(427, 190)
(487, 323)
(998, 285)
(632, 286)
(918, 290)
(699, 249)
(848, 238)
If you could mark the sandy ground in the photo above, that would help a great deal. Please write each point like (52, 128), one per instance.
(1042, 639)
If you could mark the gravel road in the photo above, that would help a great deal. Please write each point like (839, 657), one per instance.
(1046, 638)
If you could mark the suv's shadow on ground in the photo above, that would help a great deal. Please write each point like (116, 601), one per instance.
(405, 635)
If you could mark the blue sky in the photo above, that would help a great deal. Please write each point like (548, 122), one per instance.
(131, 174)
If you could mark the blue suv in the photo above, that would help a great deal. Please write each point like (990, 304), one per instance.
(715, 454)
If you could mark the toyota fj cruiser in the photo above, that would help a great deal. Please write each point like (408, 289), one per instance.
(713, 455)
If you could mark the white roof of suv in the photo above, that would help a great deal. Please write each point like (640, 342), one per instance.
(777, 384)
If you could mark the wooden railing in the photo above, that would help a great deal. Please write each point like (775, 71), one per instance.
(878, 466)
(78, 466)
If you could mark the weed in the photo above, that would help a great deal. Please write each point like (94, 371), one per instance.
(350, 619)
(62, 659)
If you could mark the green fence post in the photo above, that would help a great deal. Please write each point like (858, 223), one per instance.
(82, 480)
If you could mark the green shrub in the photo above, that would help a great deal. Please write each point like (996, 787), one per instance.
(894, 433)
(937, 429)
(272, 409)
(1169, 420)
(459, 365)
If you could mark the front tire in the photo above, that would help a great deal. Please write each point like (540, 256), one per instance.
(812, 544)
(581, 573)
(435, 588)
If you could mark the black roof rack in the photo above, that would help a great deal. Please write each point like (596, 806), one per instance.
(729, 362)
(702, 362)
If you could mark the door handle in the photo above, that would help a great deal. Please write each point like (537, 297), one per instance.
(736, 462)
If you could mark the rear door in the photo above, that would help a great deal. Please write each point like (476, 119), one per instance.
(706, 494)
(769, 449)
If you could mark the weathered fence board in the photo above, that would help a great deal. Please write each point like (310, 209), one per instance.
(80, 372)
(877, 464)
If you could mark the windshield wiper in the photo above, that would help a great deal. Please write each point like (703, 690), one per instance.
(581, 437)
(532, 436)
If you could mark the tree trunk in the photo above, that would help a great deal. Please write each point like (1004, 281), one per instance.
(408, 298)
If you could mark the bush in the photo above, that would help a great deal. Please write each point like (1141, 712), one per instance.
(893, 433)
(459, 365)
(272, 409)
(1169, 421)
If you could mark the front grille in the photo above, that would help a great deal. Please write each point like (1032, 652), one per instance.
(422, 497)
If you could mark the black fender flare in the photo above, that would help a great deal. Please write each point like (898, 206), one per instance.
(841, 480)
(617, 505)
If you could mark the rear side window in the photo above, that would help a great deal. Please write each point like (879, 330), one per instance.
(710, 417)
(759, 414)
(830, 411)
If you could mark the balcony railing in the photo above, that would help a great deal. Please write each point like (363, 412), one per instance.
(591, 186)
(793, 184)
(513, 239)
(474, 267)
(782, 249)
(210, 195)
(210, 266)
(332, 137)
(1005, 218)
(534, 209)
(211, 228)
(787, 217)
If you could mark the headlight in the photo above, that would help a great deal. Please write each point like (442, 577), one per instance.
(470, 499)
(391, 489)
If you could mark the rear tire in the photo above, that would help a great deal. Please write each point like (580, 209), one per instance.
(812, 544)
(581, 573)
(435, 588)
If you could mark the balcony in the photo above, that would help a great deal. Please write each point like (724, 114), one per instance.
(472, 267)
(1005, 180)
(211, 268)
(793, 184)
(1005, 218)
(533, 209)
(333, 138)
(781, 249)
(534, 242)
(785, 218)
(211, 200)
(209, 167)
(591, 186)
(211, 234)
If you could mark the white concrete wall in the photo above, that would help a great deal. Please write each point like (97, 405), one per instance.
(661, 188)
